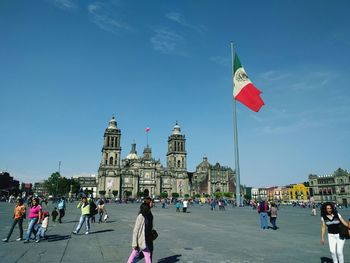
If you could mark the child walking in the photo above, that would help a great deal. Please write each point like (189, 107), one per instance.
(43, 228)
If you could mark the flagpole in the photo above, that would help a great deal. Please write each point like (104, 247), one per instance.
(238, 179)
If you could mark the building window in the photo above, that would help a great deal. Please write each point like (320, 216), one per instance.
(111, 161)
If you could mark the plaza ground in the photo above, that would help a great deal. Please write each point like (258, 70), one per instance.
(201, 235)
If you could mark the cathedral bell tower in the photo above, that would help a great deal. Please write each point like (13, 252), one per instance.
(176, 155)
(177, 161)
(111, 145)
(109, 170)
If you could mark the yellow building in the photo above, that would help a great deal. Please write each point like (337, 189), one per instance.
(299, 192)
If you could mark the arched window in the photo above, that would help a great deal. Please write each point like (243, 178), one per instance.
(112, 142)
(178, 163)
(110, 160)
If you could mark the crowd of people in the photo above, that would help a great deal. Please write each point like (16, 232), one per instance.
(144, 233)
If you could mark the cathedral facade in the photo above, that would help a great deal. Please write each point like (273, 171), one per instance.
(135, 174)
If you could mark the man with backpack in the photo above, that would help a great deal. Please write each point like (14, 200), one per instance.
(263, 208)
(85, 215)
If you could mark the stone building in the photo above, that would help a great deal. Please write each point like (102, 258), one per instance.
(334, 188)
(143, 173)
(212, 178)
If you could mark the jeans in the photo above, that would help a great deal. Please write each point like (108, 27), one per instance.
(62, 213)
(86, 219)
(31, 229)
(273, 222)
(40, 233)
(20, 225)
(263, 220)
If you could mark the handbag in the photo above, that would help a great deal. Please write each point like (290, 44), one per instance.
(154, 234)
(344, 231)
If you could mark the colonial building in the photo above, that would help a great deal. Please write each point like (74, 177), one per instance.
(335, 188)
(212, 178)
(142, 173)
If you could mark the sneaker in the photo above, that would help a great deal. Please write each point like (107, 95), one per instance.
(87, 232)
(37, 241)
(74, 232)
(5, 240)
(19, 239)
(26, 241)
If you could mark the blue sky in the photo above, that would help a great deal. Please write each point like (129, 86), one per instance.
(67, 66)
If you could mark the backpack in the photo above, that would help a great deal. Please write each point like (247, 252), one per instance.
(93, 210)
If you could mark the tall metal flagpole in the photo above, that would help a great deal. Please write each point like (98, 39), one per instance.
(238, 179)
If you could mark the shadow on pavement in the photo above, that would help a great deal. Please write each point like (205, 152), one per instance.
(101, 231)
(326, 260)
(170, 259)
(53, 238)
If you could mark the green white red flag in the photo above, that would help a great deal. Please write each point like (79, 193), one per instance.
(244, 91)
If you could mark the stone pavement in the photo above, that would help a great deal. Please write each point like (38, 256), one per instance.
(199, 236)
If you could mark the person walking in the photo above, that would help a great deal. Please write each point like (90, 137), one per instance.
(54, 214)
(184, 205)
(263, 207)
(101, 209)
(332, 219)
(61, 208)
(18, 216)
(142, 239)
(43, 228)
(273, 215)
(85, 216)
(34, 218)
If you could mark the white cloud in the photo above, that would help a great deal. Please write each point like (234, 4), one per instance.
(179, 19)
(105, 19)
(65, 4)
(168, 42)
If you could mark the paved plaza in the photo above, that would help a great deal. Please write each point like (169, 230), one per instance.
(200, 235)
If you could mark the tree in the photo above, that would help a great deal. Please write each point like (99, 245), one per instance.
(127, 193)
(164, 195)
(197, 195)
(218, 195)
(57, 185)
(115, 192)
(139, 194)
(102, 192)
(175, 195)
(228, 194)
(247, 197)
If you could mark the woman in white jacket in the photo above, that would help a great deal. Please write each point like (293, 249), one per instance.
(142, 234)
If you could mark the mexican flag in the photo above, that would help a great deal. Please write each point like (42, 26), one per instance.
(244, 91)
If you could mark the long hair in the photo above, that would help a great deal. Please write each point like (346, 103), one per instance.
(324, 209)
(145, 209)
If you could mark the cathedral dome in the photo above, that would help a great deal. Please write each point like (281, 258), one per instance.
(112, 124)
(132, 156)
(177, 129)
(133, 153)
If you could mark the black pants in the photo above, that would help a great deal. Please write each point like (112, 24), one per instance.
(62, 213)
(20, 225)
